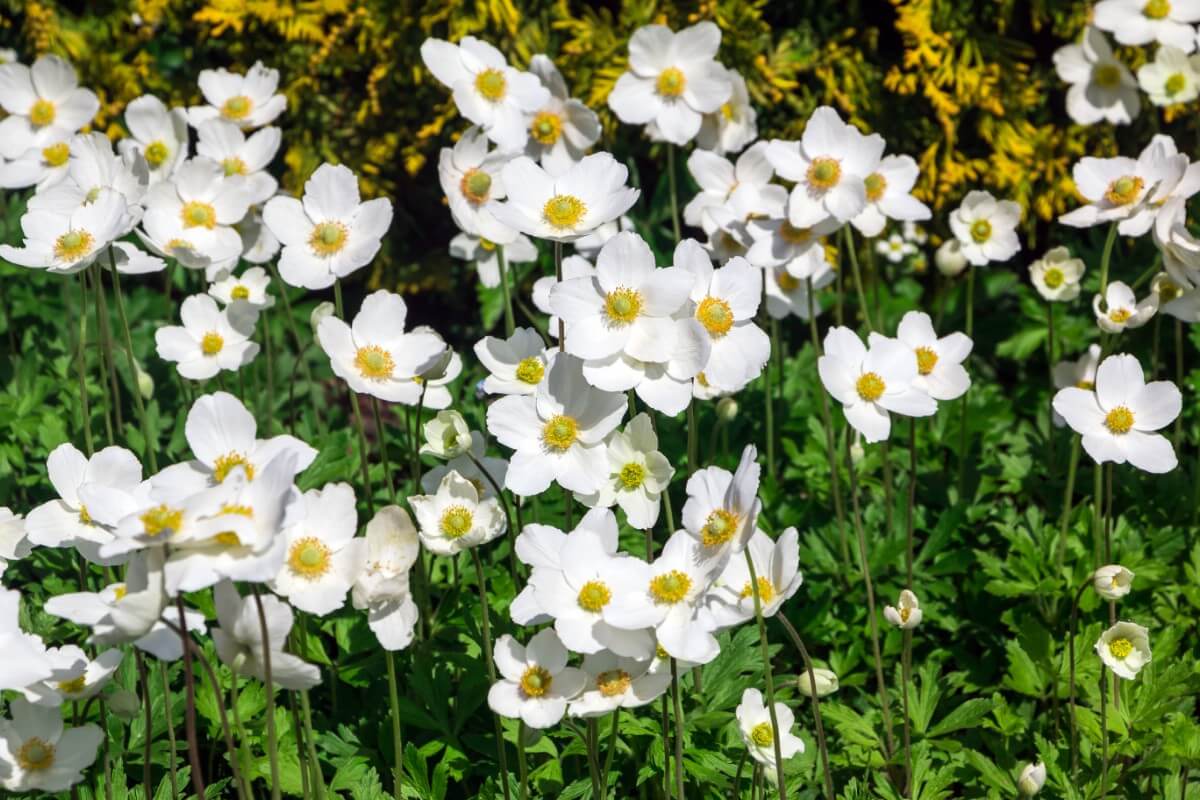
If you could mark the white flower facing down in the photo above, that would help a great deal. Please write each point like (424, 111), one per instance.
(777, 568)
(617, 682)
(800, 251)
(382, 586)
(871, 383)
(1056, 275)
(826, 682)
(1125, 649)
(158, 133)
(1119, 308)
(243, 645)
(447, 436)
(515, 365)
(940, 373)
(1032, 779)
(558, 432)
(75, 676)
(563, 129)
(1172, 77)
(374, 354)
(1080, 373)
(38, 754)
(13, 543)
(210, 340)
(732, 126)
(487, 91)
(485, 255)
(64, 244)
(672, 81)
(455, 518)
(250, 287)
(536, 682)
(471, 466)
(1169, 22)
(788, 295)
(986, 228)
(25, 660)
(249, 100)
(1118, 421)
(323, 556)
(906, 614)
(1102, 89)
(40, 100)
(564, 207)
(638, 474)
(1112, 581)
(1175, 298)
(329, 233)
(572, 267)
(754, 723)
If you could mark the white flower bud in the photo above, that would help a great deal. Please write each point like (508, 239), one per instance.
(906, 613)
(727, 409)
(319, 313)
(949, 258)
(446, 436)
(145, 383)
(1033, 777)
(1112, 582)
(827, 682)
(123, 703)
(857, 451)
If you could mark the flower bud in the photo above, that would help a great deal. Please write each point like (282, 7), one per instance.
(949, 258)
(906, 613)
(857, 452)
(727, 409)
(446, 436)
(123, 703)
(145, 383)
(1112, 582)
(319, 313)
(1033, 777)
(827, 682)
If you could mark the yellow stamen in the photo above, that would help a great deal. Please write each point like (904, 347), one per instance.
(309, 558)
(1156, 9)
(1119, 420)
(56, 154)
(715, 315)
(491, 84)
(328, 238)
(237, 108)
(73, 245)
(560, 432)
(719, 527)
(530, 370)
(564, 211)
(622, 305)
(234, 166)
(240, 292)
(1124, 190)
(196, 214)
(671, 82)
(456, 522)
(476, 185)
(227, 463)
(374, 362)
(926, 360)
(824, 173)
(632, 475)
(546, 127)
(594, 596)
(35, 755)
(763, 734)
(870, 386)
(670, 587)
(1053, 278)
(766, 590)
(981, 231)
(536, 681)
(613, 683)
(161, 518)
(42, 113)
(876, 185)
(1120, 648)
(74, 685)
(156, 153)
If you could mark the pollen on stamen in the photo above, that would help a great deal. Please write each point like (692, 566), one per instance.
(715, 315)
(870, 386)
(766, 590)
(632, 475)
(824, 173)
(530, 370)
(1120, 648)
(564, 211)
(670, 588)
(614, 682)
(491, 84)
(560, 432)
(156, 153)
(73, 245)
(762, 734)
(237, 108)
(196, 214)
(876, 185)
(927, 359)
(374, 363)
(594, 596)
(328, 238)
(212, 343)
(622, 305)
(536, 681)
(1124, 190)
(671, 82)
(476, 185)
(1119, 420)
(546, 128)
(309, 558)
(42, 113)
(719, 527)
(981, 231)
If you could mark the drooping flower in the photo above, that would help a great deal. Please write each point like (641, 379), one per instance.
(25, 660)
(38, 754)
(1056, 275)
(1032, 779)
(447, 436)
(722, 508)
(758, 734)
(800, 251)
(940, 373)
(210, 340)
(1119, 308)
(1172, 77)
(986, 228)
(323, 556)
(1176, 298)
(1168, 22)
(732, 126)
(536, 682)
(1080, 373)
(471, 177)
(1125, 649)
(788, 295)
(564, 207)
(560, 132)
(1112, 581)
(949, 258)
(244, 646)
(249, 100)
(382, 586)
(44, 104)
(614, 682)
(485, 255)
(826, 682)
(75, 676)
(906, 614)
(13, 542)
(638, 474)
(1102, 88)
(516, 365)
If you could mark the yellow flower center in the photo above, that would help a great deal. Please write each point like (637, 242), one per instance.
(766, 590)
(926, 360)
(670, 587)
(227, 539)
(1053, 278)
(1119, 420)
(824, 173)
(793, 235)
(491, 84)
(728, 112)
(536, 681)
(212, 343)
(715, 315)
(56, 154)
(1119, 315)
(632, 475)
(42, 113)
(1175, 84)
(35, 755)
(238, 107)
(981, 231)
(876, 185)
(1085, 384)
(456, 522)
(198, 215)
(179, 244)
(905, 613)
(475, 185)
(1124, 190)
(234, 166)
(156, 153)
(560, 432)
(309, 558)
(613, 683)
(228, 462)
(487, 245)
(84, 517)
(763, 734)
(622, 305)
(564, 211)
(546, 127)
(530, 370)
(671, 82)
(719, 527)
(870, 386)
(1156, 9)
(74, 685)
(1120, 648)
(1106, 76)
(374, 362)
(594, 596)
(328, 238)
(161, 518)
(1168, 291)
(119, 591)
(73, 245)
(240, 292)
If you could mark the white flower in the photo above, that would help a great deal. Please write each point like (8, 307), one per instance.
(323, 557)
(1119, 308)
(1119, 419)
(588, 246)
(540, 547)
(1175, 298)
(614, 682)
(1112, 581)
(13, 542)
(777, 567)
(745, 188)
(940, 373)
(558, 432)
(329, 233)
(754, 722)
(240, 639)
(788, 295)
(447, 436)
(471, 178)
(672, 80)
(1169, 22)
(722, 508)
(67, 243)
(42, 166)
(1125, 649)
(726, 302)
(986, 228)
(732, 126)
(465, 465)
(210, 339)
(227, 144)
(44, 105)
(871, 383)
(158, 133)
(382, 586)
(1127, 190)
(564, 128)
(1032, 779)
(374, 354)
(485, 255)
(572, 267)
(75, 676)
(638, 474)
(895, 248)
(456, 518)
(906, 613)
(250, 287)
(829, 164)
(949, 258)
(515, 365)
(826, 680)
(1172, 77)
(260, 245)
(1080, 373)
(92, 169)
(889, 196)
(1056, 275)
(248, 100)
(25, 660)
(487, 91)
(564, 207)
(1102, 88)
(37, 754)
(536, 682)
(801, 251)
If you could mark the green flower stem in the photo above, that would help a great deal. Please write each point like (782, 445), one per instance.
(85, 411)
(678, 730)
(558, 276)
(381, 432)
(818, 723)
(513, 528)
(768, 395)
(768, 675)
(848, 240)
(593, 756)
(509, 323)
(302, 751)
(269, 351)
(1050, 371)
(358, 418)
(147, 782)
(666, 741)
(318, 779)
(486, 631)
(108, 367)
(614, 725)
(1178, 435)
(290, 319)
(1103, 733)
(1105, 258)
(522, 764)
(672, 182)
(151, 443)
(189, 682)
(964, 405)
(1068, 498)
(242, 752)
(397, 743)
(1071, 680)
(906, 682)
(272, 737)
(169, 714)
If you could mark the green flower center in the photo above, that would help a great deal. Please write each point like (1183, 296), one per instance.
(981, 230)
(762, 734)
(632, 475)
